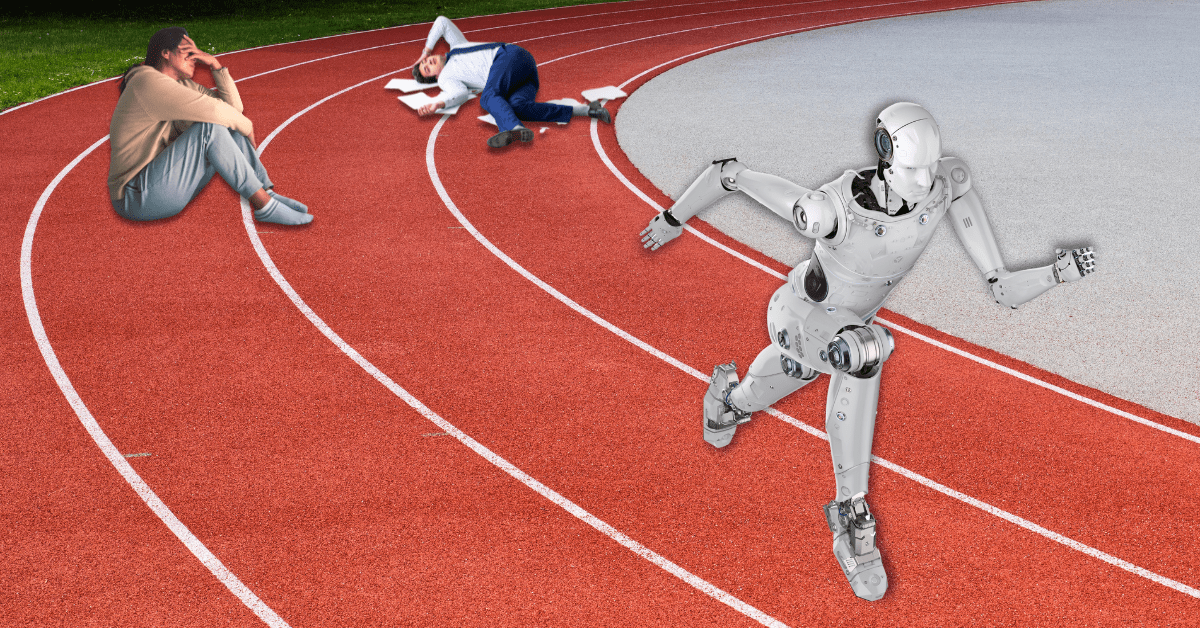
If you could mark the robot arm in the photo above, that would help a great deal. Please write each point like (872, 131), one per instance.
(727, 175)
(1009, 288)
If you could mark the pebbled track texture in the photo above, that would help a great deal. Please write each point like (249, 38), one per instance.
(338, 504)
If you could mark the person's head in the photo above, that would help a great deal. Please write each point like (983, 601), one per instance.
(429, 68)
(163, 53)
(909, 145)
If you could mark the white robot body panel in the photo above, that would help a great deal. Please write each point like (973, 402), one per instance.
(818, 214)
(775, 193)
(802, 330)
(869, 229)
(870, 251)
(957, 174)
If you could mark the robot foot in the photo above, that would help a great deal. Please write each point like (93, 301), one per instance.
(720, 418)
(853, 530)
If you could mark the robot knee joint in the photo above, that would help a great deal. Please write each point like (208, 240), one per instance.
(860, 351)
(795, 369)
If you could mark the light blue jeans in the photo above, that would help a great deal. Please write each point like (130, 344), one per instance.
(167, 184)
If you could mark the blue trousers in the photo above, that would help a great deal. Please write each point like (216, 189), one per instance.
(511, 87)
(167, 184)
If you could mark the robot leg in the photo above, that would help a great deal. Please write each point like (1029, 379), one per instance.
(858, 354)
(772, 376)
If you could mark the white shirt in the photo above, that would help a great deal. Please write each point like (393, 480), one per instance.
(461, 73)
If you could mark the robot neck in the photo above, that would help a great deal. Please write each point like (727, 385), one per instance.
(887, 200)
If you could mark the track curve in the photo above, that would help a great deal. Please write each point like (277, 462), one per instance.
(338, 504)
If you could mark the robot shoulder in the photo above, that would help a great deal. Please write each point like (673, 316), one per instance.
(958, 174)
(818, 213)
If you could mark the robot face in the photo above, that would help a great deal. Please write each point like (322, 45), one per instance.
(913, 184)
(916, 146)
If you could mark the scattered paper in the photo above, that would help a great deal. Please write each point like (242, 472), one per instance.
(606, 93)
(420, 99)
(490, 120)
(543, 130)
(408, 85)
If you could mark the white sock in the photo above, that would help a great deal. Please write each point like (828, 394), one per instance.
(276, 212)
(579, 110)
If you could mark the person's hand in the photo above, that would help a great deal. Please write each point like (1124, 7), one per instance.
(425, 52)
(251, 138)
(430, 108)
(188, 47)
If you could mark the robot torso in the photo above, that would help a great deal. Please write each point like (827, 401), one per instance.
(863, 260)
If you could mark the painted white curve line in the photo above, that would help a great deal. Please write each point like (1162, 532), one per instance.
(912, 475)
(695, 581)
(774, 273)
(492, 457)
(1019, 521)
(118, 461)
(1047, 385)
(374, 30)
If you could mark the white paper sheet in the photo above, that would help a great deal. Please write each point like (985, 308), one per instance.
(607, 93)
(420, 99)
(408, 85)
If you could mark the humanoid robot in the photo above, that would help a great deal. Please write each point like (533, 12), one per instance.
(869, 228)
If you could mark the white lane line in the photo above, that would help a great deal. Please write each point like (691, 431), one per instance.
(118, 461)
(674, 569)
(912, 475)
(774, 273)
(1047, 385)
(160, 509)
(374, 30)
(492, 457)
(1024, 523)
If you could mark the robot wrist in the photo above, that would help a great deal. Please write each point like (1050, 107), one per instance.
(670, 219)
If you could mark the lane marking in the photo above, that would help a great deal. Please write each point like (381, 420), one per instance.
(912, 475)
(386, 28)
(156, 505)
(543, 490)
(110, 451)
(1019, 521)
(55, 368)
(695, 581)
(774, 273)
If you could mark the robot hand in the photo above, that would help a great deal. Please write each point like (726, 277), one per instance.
(662, 229)
(1074, 264)
(1013, 289)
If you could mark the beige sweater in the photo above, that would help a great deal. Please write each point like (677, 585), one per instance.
(154, 110)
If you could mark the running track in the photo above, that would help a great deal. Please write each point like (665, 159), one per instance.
(465, 396)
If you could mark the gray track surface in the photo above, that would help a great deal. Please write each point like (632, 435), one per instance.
(1080, 121)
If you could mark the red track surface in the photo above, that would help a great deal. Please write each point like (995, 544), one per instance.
(338, 504)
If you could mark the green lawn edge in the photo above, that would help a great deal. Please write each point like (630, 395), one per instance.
(45, 55)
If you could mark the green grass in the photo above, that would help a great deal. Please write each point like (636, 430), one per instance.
(43, 55)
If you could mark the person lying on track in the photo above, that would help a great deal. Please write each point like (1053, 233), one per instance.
(169, 135)
(507, 76)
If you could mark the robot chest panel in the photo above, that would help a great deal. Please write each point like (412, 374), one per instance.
(880, 249)
(878, 245)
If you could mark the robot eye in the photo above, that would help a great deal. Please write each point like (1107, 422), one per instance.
(883, 144)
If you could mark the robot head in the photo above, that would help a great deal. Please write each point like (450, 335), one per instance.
(909, 145)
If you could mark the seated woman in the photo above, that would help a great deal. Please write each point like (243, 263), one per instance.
(169, 135)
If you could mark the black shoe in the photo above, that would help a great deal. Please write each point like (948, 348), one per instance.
(596, 110)
(504, 138)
